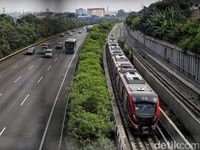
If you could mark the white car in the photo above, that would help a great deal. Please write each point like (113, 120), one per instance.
(30, 51)
(49, 53)
(59, 45)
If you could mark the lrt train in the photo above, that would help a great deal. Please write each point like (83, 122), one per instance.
(140, 103)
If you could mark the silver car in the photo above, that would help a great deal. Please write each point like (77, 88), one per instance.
(30, 51)
(59, 45)
(49, 53)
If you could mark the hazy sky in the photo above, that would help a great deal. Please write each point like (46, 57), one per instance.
(71, 5)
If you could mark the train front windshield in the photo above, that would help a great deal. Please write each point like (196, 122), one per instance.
(145, 109)
(145, 105)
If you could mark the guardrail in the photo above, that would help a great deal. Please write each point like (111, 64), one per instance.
(21, 50)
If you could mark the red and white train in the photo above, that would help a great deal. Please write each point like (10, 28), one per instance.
(140, 103)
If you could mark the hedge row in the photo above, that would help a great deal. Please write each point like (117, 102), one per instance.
(89, 102)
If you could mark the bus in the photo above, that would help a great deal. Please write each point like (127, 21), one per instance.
(70, 46)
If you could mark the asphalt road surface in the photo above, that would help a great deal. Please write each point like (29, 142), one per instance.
(33, 92)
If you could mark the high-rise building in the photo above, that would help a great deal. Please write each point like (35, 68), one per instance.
(81, 12)
(100, 12)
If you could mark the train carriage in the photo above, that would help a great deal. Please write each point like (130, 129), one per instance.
(140, 102)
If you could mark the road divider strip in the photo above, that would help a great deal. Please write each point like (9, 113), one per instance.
(14, 67)
(21, 50)
(55, 101)
(40, 79)
(49, 67)
(18, 79)
(24, 99)
(2, 131)
(30, 67)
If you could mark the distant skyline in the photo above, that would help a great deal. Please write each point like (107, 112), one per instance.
(72, 5)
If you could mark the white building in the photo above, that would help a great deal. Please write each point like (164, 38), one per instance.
(100, 12)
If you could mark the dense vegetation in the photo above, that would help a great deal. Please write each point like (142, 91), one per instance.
(169, 20)
(29, 29)
(89, 122)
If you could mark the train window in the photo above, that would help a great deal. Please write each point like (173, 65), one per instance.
(145, 109)
(120, 88)
(125, 95)
(117, 79)
(128, 108)
(152, 99)
(122, 93)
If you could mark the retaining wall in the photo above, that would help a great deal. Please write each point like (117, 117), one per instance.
(185, 62)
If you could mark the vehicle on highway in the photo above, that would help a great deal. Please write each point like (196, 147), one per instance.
(79, 32)
(59, 45)
(30, 51)
(139, 102)
(70, 34)
(70, 46)
(73, 30)
(62, 35)
(49, 53)
(89, 27)
(45, 46)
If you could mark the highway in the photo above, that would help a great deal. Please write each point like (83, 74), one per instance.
(33, 92)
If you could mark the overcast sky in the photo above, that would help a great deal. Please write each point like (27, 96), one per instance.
(71, 5)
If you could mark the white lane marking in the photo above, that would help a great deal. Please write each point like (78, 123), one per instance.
(49, 67)
(18, 79)
(24, 99)
(2, 131)
(40, 79)
(40, 59)
(56, 59)
(14, 67)
(56, 99)
(30, 67)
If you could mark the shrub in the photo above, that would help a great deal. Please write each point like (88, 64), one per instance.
(89, 108)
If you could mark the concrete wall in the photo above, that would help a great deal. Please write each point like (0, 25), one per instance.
(187, 63)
